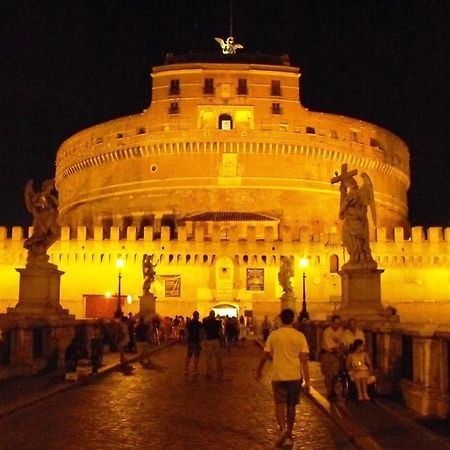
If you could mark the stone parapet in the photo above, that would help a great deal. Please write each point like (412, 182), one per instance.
(299, 233)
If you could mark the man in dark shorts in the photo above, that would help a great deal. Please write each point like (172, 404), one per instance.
(194, 330)
(288, 349)
(213, 336)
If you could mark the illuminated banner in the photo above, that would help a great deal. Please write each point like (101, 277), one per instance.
(255, 279)
(172, 285)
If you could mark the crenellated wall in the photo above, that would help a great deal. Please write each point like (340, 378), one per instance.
(416, 279)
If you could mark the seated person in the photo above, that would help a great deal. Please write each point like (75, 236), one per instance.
(358, 366)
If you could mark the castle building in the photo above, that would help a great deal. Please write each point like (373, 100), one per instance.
(224, 174)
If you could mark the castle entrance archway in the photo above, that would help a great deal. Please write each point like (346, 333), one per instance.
(225, 309)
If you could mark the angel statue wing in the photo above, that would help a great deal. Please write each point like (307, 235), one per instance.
(367, 195)
(235, 46)
(221, 42)
(29, 195)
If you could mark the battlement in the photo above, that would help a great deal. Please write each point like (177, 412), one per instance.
(200, 232)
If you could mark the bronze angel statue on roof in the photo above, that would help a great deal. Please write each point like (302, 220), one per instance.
(228, 46)
(43, 206)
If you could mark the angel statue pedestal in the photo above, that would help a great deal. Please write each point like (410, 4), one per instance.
(147, 305)
(39, 295)
(288, 301)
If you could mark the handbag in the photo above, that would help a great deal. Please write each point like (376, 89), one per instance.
(372, 379)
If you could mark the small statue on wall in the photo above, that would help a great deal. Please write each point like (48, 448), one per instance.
(149, 273)
(43, 206)
(354, 203)
(285, 274)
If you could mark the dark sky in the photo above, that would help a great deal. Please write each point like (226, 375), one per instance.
(67, 65)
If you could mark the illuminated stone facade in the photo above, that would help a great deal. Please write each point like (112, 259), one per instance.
(225, 135)
(223, 174)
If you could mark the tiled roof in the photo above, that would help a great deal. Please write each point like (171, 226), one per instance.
(228, 216)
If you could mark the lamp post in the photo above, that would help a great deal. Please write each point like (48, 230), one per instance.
(119, 313)
(304, 314)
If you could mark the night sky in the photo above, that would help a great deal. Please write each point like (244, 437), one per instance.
(67, 65)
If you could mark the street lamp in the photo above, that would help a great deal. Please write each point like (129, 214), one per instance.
(119, 313)
(304, 314)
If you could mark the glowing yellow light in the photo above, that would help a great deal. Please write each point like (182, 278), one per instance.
(108, 294)
(120, 263)
(303, 263)
(129, 299)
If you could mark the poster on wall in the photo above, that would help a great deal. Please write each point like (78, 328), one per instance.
(172, 285)
(255, 279)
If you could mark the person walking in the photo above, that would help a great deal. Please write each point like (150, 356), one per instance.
(213, 334)
(266, 327)
(288, 349)
(142, 336)
(122, 337)
(194, 331)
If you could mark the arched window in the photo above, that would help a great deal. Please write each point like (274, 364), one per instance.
(334, 264)
(225, 122)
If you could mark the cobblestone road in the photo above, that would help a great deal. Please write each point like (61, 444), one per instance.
(160, 408)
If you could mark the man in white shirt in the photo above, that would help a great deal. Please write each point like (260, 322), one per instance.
(351, 333)
(288, 350)
(331, 356)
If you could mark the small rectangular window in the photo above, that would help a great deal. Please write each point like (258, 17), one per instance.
(375, 143)
(276, 109)
(276, 88)
(174, 87)
(353, 136)
(208, 87)
(242, 87)
(310, 130)
(119, 135)
(174, 109)
(141, 130)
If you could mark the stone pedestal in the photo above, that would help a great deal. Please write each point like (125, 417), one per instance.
(361, 295)
(39, 295)
(41, 328)
(147, 305)
(288, 301)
